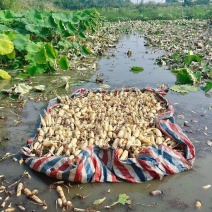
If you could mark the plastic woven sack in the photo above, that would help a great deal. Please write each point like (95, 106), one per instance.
(102, 164)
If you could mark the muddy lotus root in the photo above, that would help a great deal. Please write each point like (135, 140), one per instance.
(122, 119)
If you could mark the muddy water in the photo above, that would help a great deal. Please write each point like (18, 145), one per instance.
(180, 190)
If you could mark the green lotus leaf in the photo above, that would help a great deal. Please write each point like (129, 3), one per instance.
(51, 51)
(82, 35)
(34, 69)
(20, 43)
(64, 63)
(33, 15)
(37, 29)
(70, 27)
(41, 57)
(85, 50)
(184, 88)
(190, 58)
(6, 15)
(51, 21)
(136, 69)
(11, 55)
(185, 76)
(208, 87)
(6, 45)
(4, 75)
(12, 34)
(75, 19)
(61, 26)
(82, 27)
(4, 37)
(32, 47)
(75, 45)
(60, 16)
(4, 28)
(9, 14)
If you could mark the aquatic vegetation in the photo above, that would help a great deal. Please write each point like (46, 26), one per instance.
(36, 42)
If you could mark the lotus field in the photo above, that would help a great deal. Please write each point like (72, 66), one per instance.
(36, 42)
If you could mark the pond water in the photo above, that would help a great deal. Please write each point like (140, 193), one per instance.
(181, 191)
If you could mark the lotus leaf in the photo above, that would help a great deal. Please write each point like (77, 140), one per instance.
(33, 47)
(185, 76)
(123, 199)
(19, 89)
(4, 75)
(64, 63)
(85, 50)
(51, 52)
(33, 15)
(71, 27)
(32, 28)
(4, 28)
(51, 22)
(60, 16)
(136, 69)
(190, 58)
(6, 15)
(39, 87)
(20, 43)
(61, 26)
(82, 35)
(208, 87)
(184, 88)
(41, 56)
(34, 69)
(11, 55)
(6, 45)
(75, 19)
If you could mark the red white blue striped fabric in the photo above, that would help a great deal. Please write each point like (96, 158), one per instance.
(102, 164)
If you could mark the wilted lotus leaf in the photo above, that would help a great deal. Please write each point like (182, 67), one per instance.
(4, 74)
(184, 88)
(40, 87)
(6, 45)
(19, 89)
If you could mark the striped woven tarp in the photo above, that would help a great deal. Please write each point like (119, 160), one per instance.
(101, 164)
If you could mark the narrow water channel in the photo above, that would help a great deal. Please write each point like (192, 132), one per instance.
(181, 191)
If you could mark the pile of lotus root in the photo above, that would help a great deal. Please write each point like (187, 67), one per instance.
(121, 119)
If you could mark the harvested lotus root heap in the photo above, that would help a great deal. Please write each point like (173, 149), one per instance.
(122, 119)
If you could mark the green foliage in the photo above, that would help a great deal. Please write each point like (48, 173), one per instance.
(64, 63)
(207, 87)
(6, 46)
(189, 58)
(33, 40)
(123, 199)
(136, 69)
(153, 11)
(82, 4)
